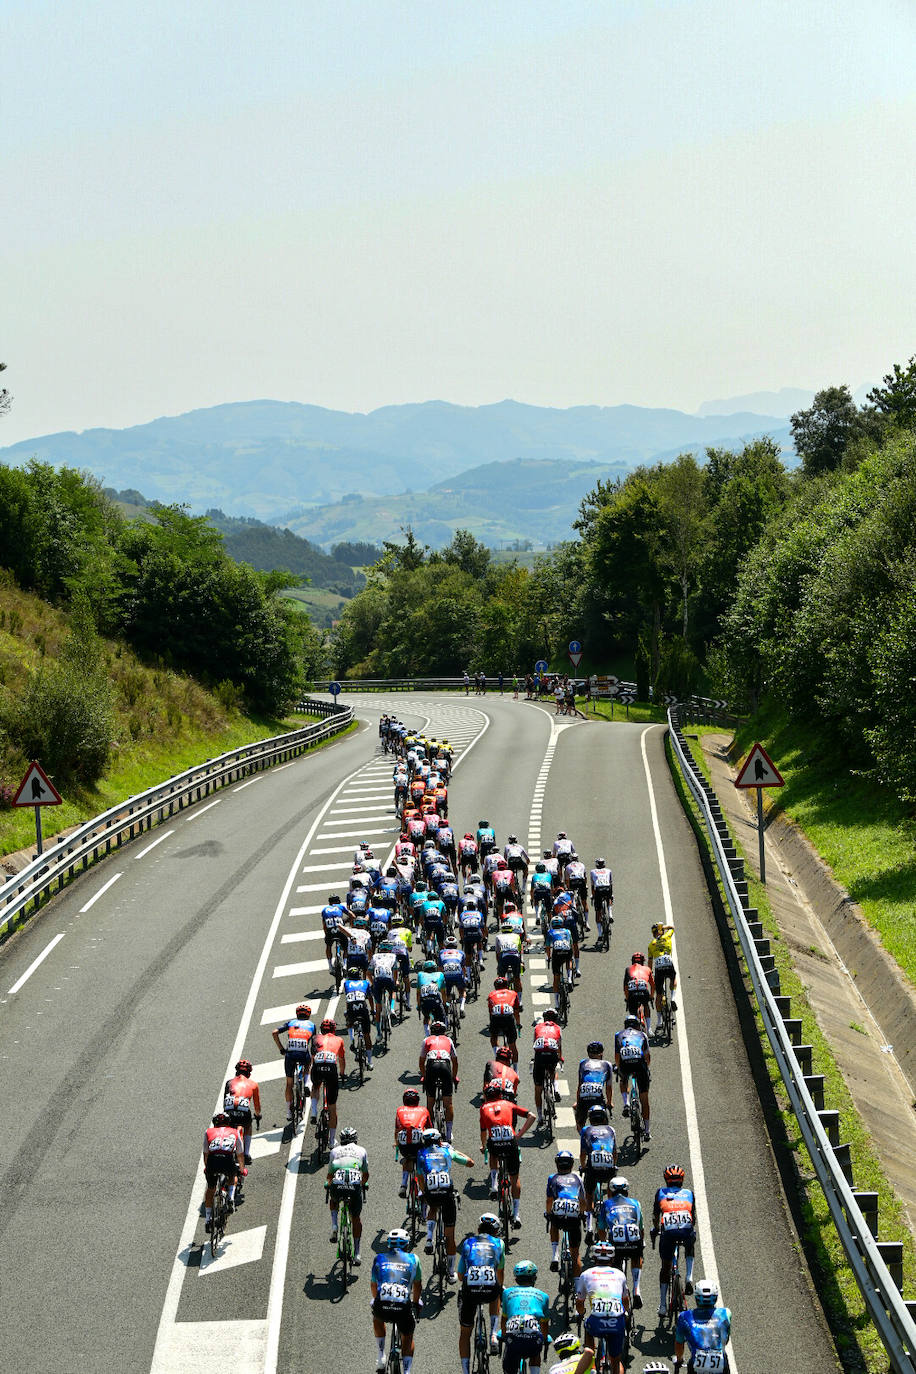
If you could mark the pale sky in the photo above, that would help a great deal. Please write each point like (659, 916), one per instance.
(360, 204)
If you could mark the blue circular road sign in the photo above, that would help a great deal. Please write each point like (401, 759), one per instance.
(541, 666)
(334, 688)
(575, 647)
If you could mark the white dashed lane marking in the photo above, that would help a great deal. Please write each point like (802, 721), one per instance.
(102, 890)
(143, 852)
(238, 1247)
(301, 935)
(293, 970)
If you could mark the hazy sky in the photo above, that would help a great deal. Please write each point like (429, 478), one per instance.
(356, 204)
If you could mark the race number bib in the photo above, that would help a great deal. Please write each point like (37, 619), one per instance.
(501, 1135)
(439, 1056)
(394, 1293)
(677, 1221)
(566, 1207)
(709, 1361)
(525, 1324)
(481, 1276)
(327, 1057)
(588, 1090)
(630, 1053)
(439, 1181)
(298, 1042)
(544, 1042)
(624, 1233)
(355, 998)
(224, 1144)
(607, 1307)
(602, 1159)
(348, 1178)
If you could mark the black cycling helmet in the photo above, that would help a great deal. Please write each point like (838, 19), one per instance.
(595, 1049)
(411, 1097)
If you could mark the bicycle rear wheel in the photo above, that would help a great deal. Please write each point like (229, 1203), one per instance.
(440, 1266)
(481, 1364)
(454, 1018)
(439, 1112)
(550, 1109)
(344, 1240)
(636, 1124)
(218, 1216)
(566, 1276)
(505, 1205)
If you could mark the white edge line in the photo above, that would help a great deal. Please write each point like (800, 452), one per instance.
(34, 965)
(195, 814)
(144, 852)
(698, 1176)
(92, 900)
(242, 785)
(179, 1266)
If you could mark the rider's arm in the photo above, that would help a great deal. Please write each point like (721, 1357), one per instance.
(277, 1041)
(526, 1125)
(256, 1099)
(462, 1158)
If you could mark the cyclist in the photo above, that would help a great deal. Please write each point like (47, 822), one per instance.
(526, 1319)
(430, 994)
(348, 1176)
(706, 1328)
(663, 970)
(573, 1359)
(597, 1158)
(604, 1290)
(400, 779)
(384, 972)
(333, 917)
(551, 866)
(674, 1222)
(564, 1208)
(447, 845)
(638, 988)
(563, 850)
(360, 1007)
(505, 1012)
(441, 795)
(565, 908)
(410, 1121)
(596, 1078)
(499, 1070)
(468, 855)
(379, 918)
(224, 1154)
(577, 883)
(499, 1138)
(433, 914)
(481, 1268)
(508, 946)
(540, 891)
(386, 893)
(548, 1052)
(397, 1283)
(434, 1167)
(558, 945)
(453, 964)
(488, 867)
(516, 856)
(504, 884)
(620, 1223)
(359, 942)
(241, 1101)
(417, 902)
(472, 925)
(400, 938)
(602, 885)
(631, 1060)
(486, 838)
(329, 1064)
(439, 1069)
(300, 1034)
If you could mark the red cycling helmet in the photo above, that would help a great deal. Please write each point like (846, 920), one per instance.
(493, 1091)
(501, 863)
(303, 1009)
(244, 1067)
(500, 982)
(328, 1025)
(638, 958)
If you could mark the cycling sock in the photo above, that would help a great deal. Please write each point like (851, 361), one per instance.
(636, 1275)
(492, 1179)
(404, 1179)
(208, 1212)
(247, 1142)
(408, 1363)
(452, 1260)
(380, 1342)
(516, 1204)
(232, 1192)
(494, 1322)
(663, 1295)
(589, 1221)
(448, 1132)
(334, 1215)
(430, 1228)
(556, 1250)
(690, 1268)
(332, 1137)
(465, 1366)
(356, 1244)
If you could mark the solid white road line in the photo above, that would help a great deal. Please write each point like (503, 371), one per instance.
(35, 962)
(242, 785)
(102, 890)
(697, 1174)
(143, 852)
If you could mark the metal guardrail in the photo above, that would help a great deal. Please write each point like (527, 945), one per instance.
(24, 892)
(885, 1303)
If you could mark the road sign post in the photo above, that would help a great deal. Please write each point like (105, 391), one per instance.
(37, 790)
(759, 771)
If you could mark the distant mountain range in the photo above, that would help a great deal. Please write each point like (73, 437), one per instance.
(780, 404)
(279, 461)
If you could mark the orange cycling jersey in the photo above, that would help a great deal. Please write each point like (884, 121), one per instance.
(498, 1120)
(636, 978)
(328, 1049)
(241, 1093)
(506, 1078)
(223, 1140)
(503, 1002)
(409, 1125)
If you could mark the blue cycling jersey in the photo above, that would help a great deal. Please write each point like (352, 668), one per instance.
(479, 1260)
(332, 916)
(395, 1272)
(631, 1045)
(704, 1329)
(621, 1218)
(355, 991)
(523, 1311)
(559, 939)
(599, 1144)
(452, 963)
(428, 984)
(435, 1164)
(567, 1196)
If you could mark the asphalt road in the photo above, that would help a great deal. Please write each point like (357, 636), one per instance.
(114, 1050)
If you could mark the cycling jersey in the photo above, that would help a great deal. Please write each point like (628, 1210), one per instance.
(299, 1040)
(328, 1057)
(241, 1099)
(382, 968)
(503, 880)
(541, 886)
(452, 963)
(508, 942)
(356, 993)
(222, 1140)
(435, 1168)
(502, 1004)
(471, 922)
(434, 914)
(637, 981)
(504, 1075)
(599, 1146)
(662, 944)
(497, 1121)
(571, 1365)
(675, 1212)
(486, 838)
(358, 942)
(438, 1049)
(705, 1332)
(603, 1288)
(379, 920)
(468, 849)
(430, 987)
(409, 1125)
(565, 1198)
(594, 1078)
(601, 880)
(523, 1310)
(348, 1169)
(620, 1219)
(480, 1259)
(630, 1047)
(575, 874)
(548, 1038)
(516, 856)
(563, 851)
(559, 941)
(395, 1273)
(387, 892)
(332, 917)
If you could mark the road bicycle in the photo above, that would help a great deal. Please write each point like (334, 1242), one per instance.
(384, 1020)
(322, 1129)
(604, 919)
(414, 1206)
(564, 994)
(360, 1052)
(438, 1112)
(637, 1125)
(567, 1279)
(473, 977)
(440, 1255)
(677, 1298)
(480, 1360)
(219, 1215)
(549, 1106)
(394, 1364)
(665, 1028)
(346, 1244)
(524, 1365)
(299, 1103)
(504, 1195)
(454, 1015)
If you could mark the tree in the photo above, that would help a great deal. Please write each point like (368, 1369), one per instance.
(681, 491)
(467, 553)
(6, 399)
(824, 432)
(897, 397)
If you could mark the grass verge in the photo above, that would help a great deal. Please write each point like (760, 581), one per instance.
(858, 1345)
(639, 713)
(865, 834)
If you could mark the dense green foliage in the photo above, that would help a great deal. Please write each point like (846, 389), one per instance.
(164, 584)
(268, 547)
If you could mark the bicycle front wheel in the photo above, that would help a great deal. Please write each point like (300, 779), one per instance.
(344, 1241)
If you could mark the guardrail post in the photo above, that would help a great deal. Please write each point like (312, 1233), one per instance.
(793, 1027)
(868, 1206)
(773, 983)
(891, 1251)
(830, 1120)
(762, 944)
(803, 1055)
(843, 1156)
(814, 1082)
(784, 1006)
(911, 1307)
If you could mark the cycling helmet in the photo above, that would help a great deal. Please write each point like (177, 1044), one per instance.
(656, 929)
(304, 1010)
(619, 1184)
(391, 871)
(411, 1097)
(556, 922)
(674, 1173)
(511, 839)
(397, 1240)
(638, 958)
(349, 1136)
(353, 972)
(244, 1066)
(492, 1092)
(431, 1136)
(333, 899)
(420, 885)
(364, 844)
(451, 942)
(329, 1025)
(705, 1293)
(504, 1054)
(501, 864)
(429, 966)
(468, 835)
(595, 1049)
(221, 1119)
(564, 1161)
(631, 1022)
(597, 1115)
(601, 863)
(483, 825)
(568, 1343)
(550, 1014)
(540, 866)
(548, 854)
(561, 834)
(500, 982)
(396, 921)
(438, 1028)
(490, 1225)
(358, 868)
(602, 1252)
(526, 1271)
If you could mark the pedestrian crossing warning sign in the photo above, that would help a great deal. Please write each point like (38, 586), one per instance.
(759, 770)
(37, 789)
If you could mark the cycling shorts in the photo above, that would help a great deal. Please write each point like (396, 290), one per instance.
(433, 1008)
(663, 973)
(518, 1348)
(573, 1228)
(220, 1164)
(293, 1057)
(447, 1203)
(612, 1330)
(396, 1314)
(507, 1150)
(638, 1070)
(438, 1072)
(383, 983)
(592, 1177)
(359, 1014)
(504, 1026)
(352, 1192)
(669, 1240)
(469, 1299)
(241, 1117)
(559, 958)
(545, 1063)
(328, 1076)
(641, 998)
(509, 965)
(471, 938)
(357, 958)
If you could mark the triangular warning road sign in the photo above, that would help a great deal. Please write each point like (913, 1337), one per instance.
(37, 789)
(759, 770)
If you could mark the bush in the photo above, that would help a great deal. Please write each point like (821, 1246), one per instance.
(66, 721)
